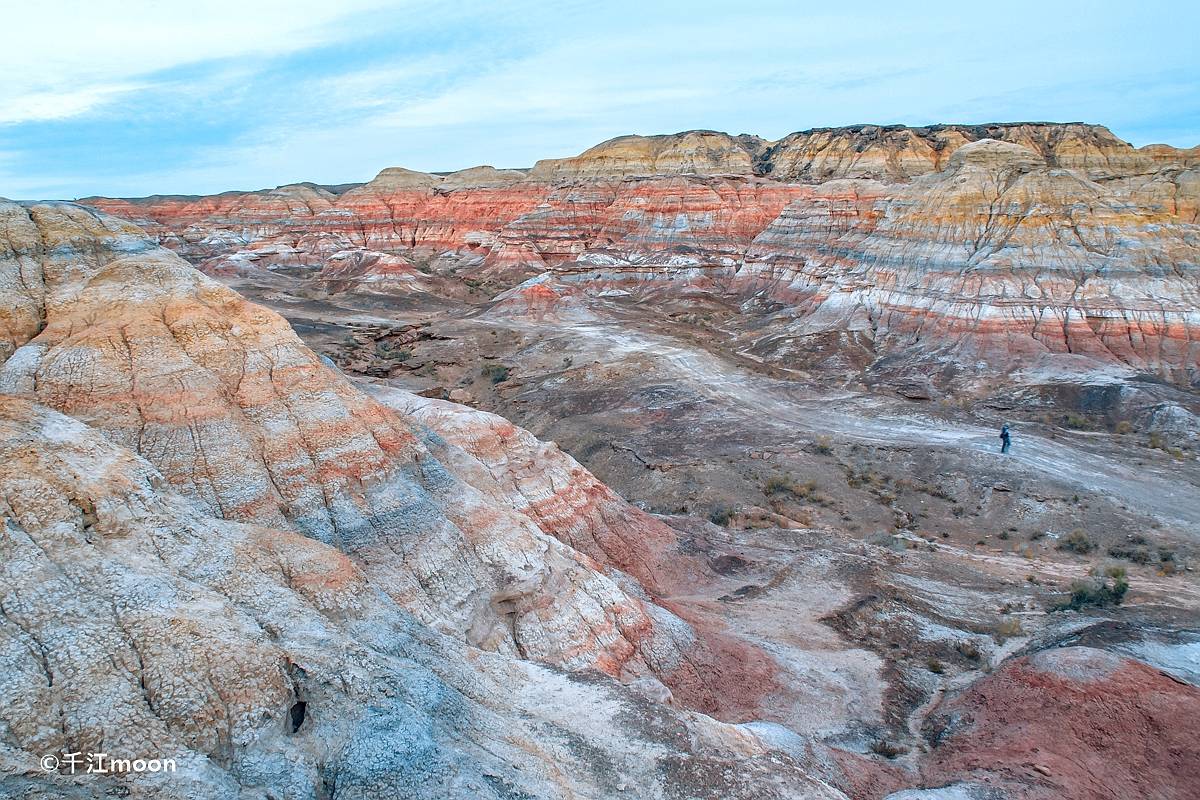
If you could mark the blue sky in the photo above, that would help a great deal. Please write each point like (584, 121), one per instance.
(134, 97)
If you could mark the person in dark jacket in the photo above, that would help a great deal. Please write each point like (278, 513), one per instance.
(1005, 438)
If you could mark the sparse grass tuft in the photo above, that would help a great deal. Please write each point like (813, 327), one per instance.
(1077, 542)
(778, 486)
(1131, 551)
(1009, 629)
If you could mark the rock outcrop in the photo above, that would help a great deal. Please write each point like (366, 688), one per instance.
(997, 263)
(258, 662)
(238, 415)
(1072, 723)
(688, 153)
(897, 153)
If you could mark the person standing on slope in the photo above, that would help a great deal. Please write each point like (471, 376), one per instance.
(1005, 438)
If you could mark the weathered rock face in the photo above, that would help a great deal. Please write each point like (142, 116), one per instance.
(712, 221)
(262, 662)
(238, 415)
(500, 232)
(1073, 723)
(691, 152)
(896, 153)
(997, 263)
(398, 211)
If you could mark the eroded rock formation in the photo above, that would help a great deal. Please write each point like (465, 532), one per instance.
(262, 662)
(985, 250)
(223, 398)
(998, 262)
(311, 584)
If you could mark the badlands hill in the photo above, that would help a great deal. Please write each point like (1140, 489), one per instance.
(737, 527)
(961, 252)
(225, 541)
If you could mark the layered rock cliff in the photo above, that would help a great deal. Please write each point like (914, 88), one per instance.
(238, 415)
(259, 662)
(690, 153)
(896, 153)
(999, 262)
(984, 255)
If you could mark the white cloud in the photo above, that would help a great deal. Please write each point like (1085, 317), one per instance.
(51, 105)
(62, 58)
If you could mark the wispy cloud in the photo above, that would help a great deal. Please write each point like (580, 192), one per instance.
(62, 58)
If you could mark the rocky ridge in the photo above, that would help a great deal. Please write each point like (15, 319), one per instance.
(1057, 200)
(1000, 261)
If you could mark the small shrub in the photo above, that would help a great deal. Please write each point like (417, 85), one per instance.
(1109, 591)
(934, 491)
(935, 666)
(885, 497)
(496, 373)
(1077, 423)
(1077, 542)
(721, 515)
(1138, 555)
(775, 485)
(779, 485)
(968, 650)
(1123, 427)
